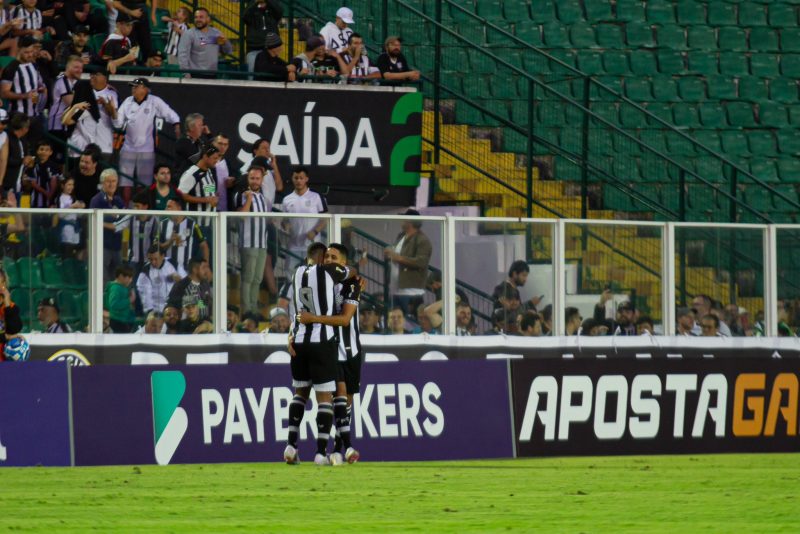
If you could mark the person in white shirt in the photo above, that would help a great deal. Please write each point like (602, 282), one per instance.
(337, 33)
(90, 119)
(156, 280)
(302, 231)
(138, 116)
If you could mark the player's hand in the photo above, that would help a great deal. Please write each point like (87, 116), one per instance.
(305, 317)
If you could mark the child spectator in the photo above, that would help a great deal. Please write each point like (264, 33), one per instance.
(43, 176)
(69, 225)
(177, 26)
(119, 300)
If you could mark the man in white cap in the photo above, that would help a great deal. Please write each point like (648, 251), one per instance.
(337, 34)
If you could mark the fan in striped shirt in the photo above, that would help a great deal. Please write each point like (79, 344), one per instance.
(48, 315)
(199, 183)
(177, 26)
(252, 238)
(43, 176)
(31, 19)
(21, 82)
(143, 233)
(179, 237)
(348, 381)
(359, 65)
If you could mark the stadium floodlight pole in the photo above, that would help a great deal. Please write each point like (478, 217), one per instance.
(220, 258)
(560, 278)
(771, 280)
(96, 271)
(668, 279)
(449, 275)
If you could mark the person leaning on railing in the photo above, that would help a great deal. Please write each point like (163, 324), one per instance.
(393, 64)
(269, 64)
(200, 46)
(260, 20)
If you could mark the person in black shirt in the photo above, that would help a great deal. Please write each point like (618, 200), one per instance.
(393, 64)
(77, 45)
(136, 10)
(87, 175)
(260, 19)
(197, 136)
(268, 62)
(18, 157)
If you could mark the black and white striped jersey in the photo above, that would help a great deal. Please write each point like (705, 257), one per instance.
(23, 78)
(174, 38)
(314, 292)
(143, 234)
(199, 183)
(363, 68)
(348, 292)
(253, 230)
(31, 20)
(61, 87)
(181, 249)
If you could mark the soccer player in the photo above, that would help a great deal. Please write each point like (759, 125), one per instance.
(314, 351)
(349, 365)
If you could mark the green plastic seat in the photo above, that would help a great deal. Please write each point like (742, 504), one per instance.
(712, 115)
(789, 142)
(639, 34)
(454, 59)
(790, 65)
(614, 83)
(783, 90)
(548, 115)
(476, 86)
(530, 33)
(794, 114)
(643, 63)
(759, 198)
(555, 35)
(790, 40)
(734, 142)
(610, 36)
(517, 12)
(615, 62)
(686, 115)
(660, 12)
(764, 168)
(461, 15)
(568, 11)
(655, 140)
(692, 89)
(30, 272)
(772, 115)
(671, 36)
(691, 13)
(513, 141)
(702, 62)
(598, 10)
(679, 146)
(638, 89)
(764, 65)
(702, 37)
(590, 62)
(733, 64)
(480, 62)
(661, 110)
(732, 38)
(630, 117)
(53, 273)
(764, 40)
(721, 14)
(69, 306)
(789, 170)
(740, 114)
(630, 10)
(565, 56)
(12, 274)
(501, 88)
(782, 15)
(753, 89)
(23, 298)
(545, 11)
(709, 139)
(491, 10)
(581, 35)
(752, 14)
(77, 273)
(607, 110)
(762, 142)
(520, 111)
(665, 89)
(710, 168)
(670, 62)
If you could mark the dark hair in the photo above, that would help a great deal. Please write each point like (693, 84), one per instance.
(529, 320)
(645, 319)
(142, 198)
(160, 166)
(519, 266)
(43, 142)
(571, 312)
(93, 151)
(123, 270)
(203, 9)
(194, 262)
(510, 293)
(83, 92)
(298, 169)
(18, 121)
(547, 313)
(713, 318)
(176, 200)
(154, 249)
(353, 35)
(341, 248)
(257, 144)
(314, 249)
(208, 150)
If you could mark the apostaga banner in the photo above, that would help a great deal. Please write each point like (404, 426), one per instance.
(344, 135)
(239, 413)
(34, 414)
(655, 406)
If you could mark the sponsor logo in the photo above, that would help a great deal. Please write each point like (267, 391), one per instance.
(73, 357)
(170, 421)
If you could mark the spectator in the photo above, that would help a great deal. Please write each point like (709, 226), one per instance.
(709, 325)
(252, 239)
(198, 184)
(154, 62)
(530, 324)
(153, 324)
(623, 323)
(393, 64)
(547, 320)
(464, 320)
(359, 67)
(260, 21)
(181, 238)
(69, 225)
(195, 138)
(193, 322)
(117, 50)
(224, 170)
(137, 117)
(87, 175)
(62, 96)
(8, 41)
(107, 199)
(517, 277)
(232, 318)
(155, 280)
(177, 26)
(107, 102)
(701, 306)
(510, 305)
(107, 322)
(4, 118)
(336, 34)
(434, 285)
(409, 259)
(90, 119)
(21, 84)
(47, 314)
(172, 317)
(499, 323)
(143, 232)
(572, 320)
(199, 47)
(119, 299)
(135, 11)
(43, 176)
(303, 232)
(732, 320)
(269, 63)
(162, 191)
(593, 328)
(77, 14)
(273, 181)
(197, 284)
(308, 64)
(278, 321)
(18, 157)
(396, 322)
(425, 326)
(367, 319)
(10, 322)
(77, 45)
(644, 325)
(249, 323)
(32, 20)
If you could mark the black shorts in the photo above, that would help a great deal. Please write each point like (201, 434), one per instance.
(315, 365)
(350, 374)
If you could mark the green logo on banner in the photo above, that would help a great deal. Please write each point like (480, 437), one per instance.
(169, 420)
(406, 147)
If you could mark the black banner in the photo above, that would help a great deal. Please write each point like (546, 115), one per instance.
(594, 407)
(346, 136)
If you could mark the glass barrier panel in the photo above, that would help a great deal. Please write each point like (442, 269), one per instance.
(719, 281)
(613, 280)
(788, 255)
(401, 262)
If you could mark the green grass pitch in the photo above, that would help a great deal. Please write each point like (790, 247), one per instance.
(714, 493)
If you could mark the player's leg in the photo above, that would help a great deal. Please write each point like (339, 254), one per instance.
(353, 385)
(322, 364)
(341, 420)
(301, 381)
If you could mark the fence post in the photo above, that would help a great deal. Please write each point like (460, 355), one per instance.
(96, 271)
(733, 189)
(560, 282)
(242, 39)
(529, 155)
(219, 256)
(449, 277)
(437, 80)
(771, 281)
(668, 280)
(291, 29)
(585, 149)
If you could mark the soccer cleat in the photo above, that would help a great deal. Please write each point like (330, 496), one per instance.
(321, 459)
(351, 455)
(291, 455)
(337, 458)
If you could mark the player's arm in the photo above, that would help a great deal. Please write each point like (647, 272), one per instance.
(348, 311)
(339, 273)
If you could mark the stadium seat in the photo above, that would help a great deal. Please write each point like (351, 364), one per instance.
(789, 143)
(22, 298)
(671, 36)
(665, 89)
(568, 11)
(501, 88)
(530, 33)
(692, 89)
(753, 89)
(555, 35)
(764, 40)
(782, 15)
(590, 62)
(762, 143)
(773, 115)
(30, 272)
(734, 142)
(752, 14)
(732, 38)
(702, 37)
(660, 12)
(733, 64)
(686, 115)
(482, 63)
(670, 62)
(545, 11)
(581, 35)
(783, 90)
(638, 89)
(790, 40)
(518, 12)
(643, 63)
(789, 170)
(610, 36)
(740, 114)
(12, 274)
(615, 63)
(721, 14)
(491, 10)
(764, 65)
(76, 273)
(630, 117)
(702, 62)
(709, 139)
(639, 34)
(712, 115)
(69, 305)
(790, 65)
(607, 110)
(691, 12)
(764, 169)
(598, 11)
(629, 10)
(53, 273)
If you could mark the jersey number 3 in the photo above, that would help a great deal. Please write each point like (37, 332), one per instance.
(307, 299)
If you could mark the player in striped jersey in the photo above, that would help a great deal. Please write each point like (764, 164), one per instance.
(348, 379)
(314, 350)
